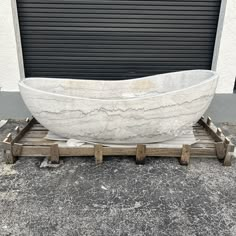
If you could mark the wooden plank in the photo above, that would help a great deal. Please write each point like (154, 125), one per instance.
(39, 132)
(35, 151)
(196, 125)
(98, 153)
(204, 137)
(201, 132)
(211, 141)
(36, 134)
(119, 151)
(202, 145)
(198, 128)
(54, 154)
(38, 125)
(140, 154)
(64, 151)
(38, 129)
(165, 152)
(36, 141)
(203, 152)
(78, 151)
(176, 152)
(185, 155)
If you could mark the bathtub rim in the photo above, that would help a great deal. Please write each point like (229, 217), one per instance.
(213, 77)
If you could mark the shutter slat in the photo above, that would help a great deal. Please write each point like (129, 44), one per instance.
(119, 39)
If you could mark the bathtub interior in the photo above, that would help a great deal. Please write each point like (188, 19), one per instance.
(146, 86)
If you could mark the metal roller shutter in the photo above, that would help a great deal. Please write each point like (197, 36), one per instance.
(116, 39)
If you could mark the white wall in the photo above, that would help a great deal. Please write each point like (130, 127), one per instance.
(10, 60)
(226, 65)
(9, 63)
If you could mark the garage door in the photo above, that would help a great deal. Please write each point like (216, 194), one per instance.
(116, 39)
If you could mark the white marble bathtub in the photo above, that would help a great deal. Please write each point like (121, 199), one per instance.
(144, 110)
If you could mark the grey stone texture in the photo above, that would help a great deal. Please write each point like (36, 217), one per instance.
(118, 197)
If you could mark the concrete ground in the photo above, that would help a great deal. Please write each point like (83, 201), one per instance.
(118, 197)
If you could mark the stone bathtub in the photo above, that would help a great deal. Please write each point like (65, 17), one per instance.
(144, 110)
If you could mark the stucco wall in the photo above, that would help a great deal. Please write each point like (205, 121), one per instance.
(226, 65)
(11, 67)
(9, 63)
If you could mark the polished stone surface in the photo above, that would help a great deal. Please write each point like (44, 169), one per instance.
(145, 110)
(117, 198)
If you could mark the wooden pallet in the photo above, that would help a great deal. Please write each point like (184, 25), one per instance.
(30, 142)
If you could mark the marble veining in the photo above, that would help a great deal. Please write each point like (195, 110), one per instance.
(144, 110)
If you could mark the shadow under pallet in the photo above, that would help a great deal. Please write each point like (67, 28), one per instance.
(30, 142)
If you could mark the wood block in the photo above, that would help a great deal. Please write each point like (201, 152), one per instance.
(17, 129)
(227, 141)
(98, 153)
(185, 155)
(209, 121)
(140, 154)
(8, 157)
(54, 154)
(220, 150)
(228, 159)
(9, 137)
(229, 155)
(219, 131)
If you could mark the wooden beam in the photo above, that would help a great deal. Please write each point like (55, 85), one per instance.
(220, 150)
(185, 156)
(8, 157)
(98, 153)
(140, 154)
(54, 157)
(20, 135)
(229, 155)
